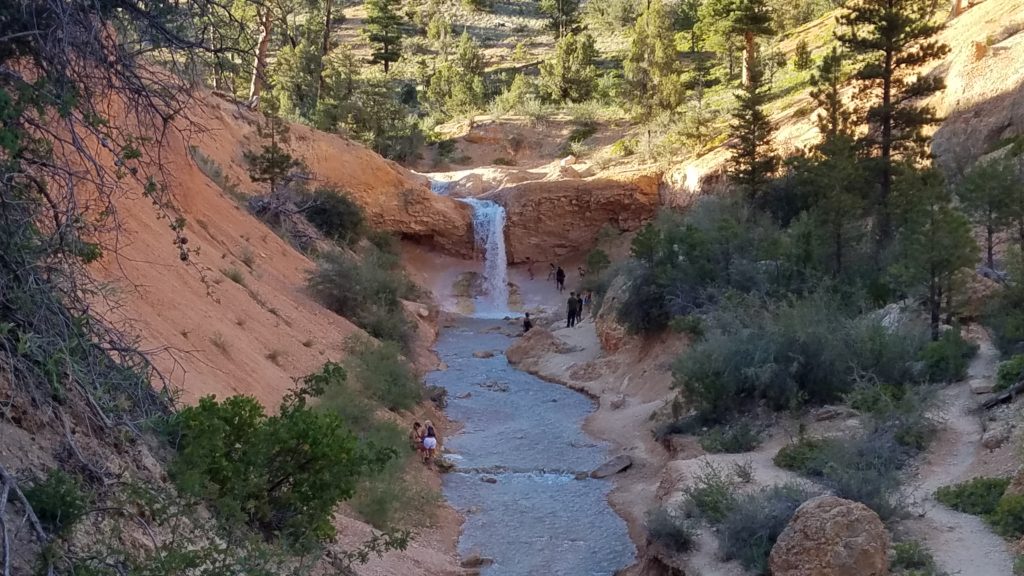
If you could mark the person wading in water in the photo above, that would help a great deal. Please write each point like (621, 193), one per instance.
(527, 323)
(560, 279)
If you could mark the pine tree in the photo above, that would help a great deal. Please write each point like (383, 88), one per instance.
(893, 38)
(936, 243)
(457, 86)
(987, 194)
(383, 32)
(652, 65)
(752, 161)
(563, 15)
(802, 58)
(570, 76)
(834, 116)
(750, 19)
(273, 162)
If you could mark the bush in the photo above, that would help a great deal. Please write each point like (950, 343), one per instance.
(947, 358)
(979, 496)
(867, 469)
(690, 324)
(910, 558)
(365, 290)
(334, 214)
(597, 261)
(807, 456)
(387, 498)
(806, 351)
(1008, 517)
(1010, 372)
(755, 521)
(730, 439)
(712, 493)
(802, 59)
(282, 474)
(673, 531)
(58, 501)
(383, 373)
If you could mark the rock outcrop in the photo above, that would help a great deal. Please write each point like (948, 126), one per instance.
(830, 536)
(533, 345)
(547, 219)
(610, 332)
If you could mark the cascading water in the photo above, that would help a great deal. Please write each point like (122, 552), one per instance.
(489, 230)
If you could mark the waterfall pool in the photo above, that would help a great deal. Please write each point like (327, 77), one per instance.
(541, 515)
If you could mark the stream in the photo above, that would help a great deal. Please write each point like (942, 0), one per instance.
(542, 515)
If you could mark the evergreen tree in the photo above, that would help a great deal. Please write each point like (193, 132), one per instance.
(989, 194)
(570, 76)
(439, 32)
(826, 84)
(935, 243)
(750, 19)
(752, 161)
(652, 65)
(893, 38)
(563, 15)
(802, 58)
(273, 162)
(457, 86)
(383, 32)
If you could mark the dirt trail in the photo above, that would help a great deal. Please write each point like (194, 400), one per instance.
(960, 543)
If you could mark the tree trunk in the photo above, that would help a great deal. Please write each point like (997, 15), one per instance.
(325, 47)
(989, 250)
(884, 224)
(949, 300)
(749, 54)
(934, 303)
(260, 64)
(956, 9)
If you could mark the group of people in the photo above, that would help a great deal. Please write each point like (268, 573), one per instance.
(423, 439)
(575, 305)
(558, 274)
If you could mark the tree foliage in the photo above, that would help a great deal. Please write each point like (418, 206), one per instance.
(570, 76)
(382, 30)
(652, 65)
(752, 161)
(563, 16)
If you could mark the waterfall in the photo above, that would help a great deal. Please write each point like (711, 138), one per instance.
(489, 230)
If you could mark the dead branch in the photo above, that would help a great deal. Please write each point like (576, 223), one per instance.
(9, 482)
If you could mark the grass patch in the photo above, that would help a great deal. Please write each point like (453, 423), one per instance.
(247, 256)
(807, 456)
(731, 439)
(712, 493)
(216, 174)
(235, 275)
(220, 343)
(911, 558)
(979, 496)
(672, 530)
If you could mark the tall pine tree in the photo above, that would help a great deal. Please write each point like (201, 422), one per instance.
(750, 19)
(652, 66)
(893, 38)
(383, 32)
(563, 16)
(753, 161)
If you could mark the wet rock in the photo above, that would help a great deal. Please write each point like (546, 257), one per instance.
(483, 354)
(438, 395)
(995, 437)
(581, 475)
(443, 465)
(617, 402)
(476, 561)
(830, 536)
(464, 395)
(982, 385)
(535, 344)
(489, 479)
(613, 466)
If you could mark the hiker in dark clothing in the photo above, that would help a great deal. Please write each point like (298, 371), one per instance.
(579, 307)
(560, 279)
(571, 310)
(527, 323)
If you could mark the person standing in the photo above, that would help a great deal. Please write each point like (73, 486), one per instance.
(571, 311)
(560, 279)
(579, 307)
(529, 267)
(429, 444)
(527, 323)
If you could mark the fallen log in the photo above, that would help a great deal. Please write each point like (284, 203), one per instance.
(1006, 396)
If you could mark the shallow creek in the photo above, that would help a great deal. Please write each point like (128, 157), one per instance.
(538, 518)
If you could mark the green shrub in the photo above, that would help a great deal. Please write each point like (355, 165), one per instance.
(712, 493)
(383, 373)
(1008, 517)
(625, 147)
(387, 498)
(807, 456)
(58, 501)
(730, 439)
(690, 324)
(673, 531)
(867, 469)
(910, 558)
(282, 474)
(1010, 372)
(597, 261)
(802, 59)
(947, 358)
(334, 214)
(979, 496)
(755, 521)
(365, 290)
(1018, 565)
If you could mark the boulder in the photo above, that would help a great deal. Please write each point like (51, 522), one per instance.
(610, 333)
(618, 464)
(995, 437)
(830, 536)
(476, 561)
(483, 354)
(548, 219)
(617, 402)
(982, 385)
(535, 344)
(489, 479)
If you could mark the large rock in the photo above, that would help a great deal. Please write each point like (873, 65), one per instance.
(830, 536)
(613, 466)
(535, 344)
(610, 333)
(548, 219)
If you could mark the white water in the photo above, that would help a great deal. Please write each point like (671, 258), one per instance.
(489, 230)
